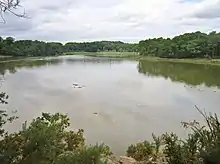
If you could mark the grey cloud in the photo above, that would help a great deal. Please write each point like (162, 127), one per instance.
(95, 3)
(87, 20)
(209, 12)
(132, 20)
(129, 17)
(14, 26)
(52, 7)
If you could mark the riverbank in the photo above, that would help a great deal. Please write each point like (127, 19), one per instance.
(21, 58)
(215, 62)
(136, 56)
(122, 55)
(6, 60)
(107, 54)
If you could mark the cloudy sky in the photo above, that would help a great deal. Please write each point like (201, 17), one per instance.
(125, 20)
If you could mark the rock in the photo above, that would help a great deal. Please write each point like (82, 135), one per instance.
(127, 160)
(122, 160)
(75, 84)
(110, 160)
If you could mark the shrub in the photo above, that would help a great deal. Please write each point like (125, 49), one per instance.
(202, 146)
(45, 139)
(88, 155)
(141, 151)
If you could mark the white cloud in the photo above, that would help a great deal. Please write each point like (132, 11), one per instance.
(126, 20)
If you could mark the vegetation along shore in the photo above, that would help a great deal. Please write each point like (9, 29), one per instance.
(197, 47)
(41, 85)
(47, 140)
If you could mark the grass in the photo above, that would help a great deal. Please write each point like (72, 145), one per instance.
(134, 55)
(109, 54)
(3, 57)
(78, 53)
(215, 62)
(127, 55)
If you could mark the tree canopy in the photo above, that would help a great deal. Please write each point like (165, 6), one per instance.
(188, 45)
(11, 47)
(101, 46)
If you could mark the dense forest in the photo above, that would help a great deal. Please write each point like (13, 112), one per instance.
(116, 46)
(10, 47)
(188, 45)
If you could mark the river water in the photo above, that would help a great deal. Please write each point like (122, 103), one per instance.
(132, 99)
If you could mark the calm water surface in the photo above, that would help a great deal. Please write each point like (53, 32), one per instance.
(133, 99)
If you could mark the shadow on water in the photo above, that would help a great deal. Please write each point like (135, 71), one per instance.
(122, 98)
(92, 60)
(13, 66)
(191, 74)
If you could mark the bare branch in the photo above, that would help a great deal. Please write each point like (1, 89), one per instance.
(9, 6)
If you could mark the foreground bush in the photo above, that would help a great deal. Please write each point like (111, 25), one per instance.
(88, 155)
(47, 140)
(141, 151)
(202, 146)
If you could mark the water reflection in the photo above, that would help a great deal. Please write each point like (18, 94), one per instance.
(12, 67)
(123, 98)
(192, 74)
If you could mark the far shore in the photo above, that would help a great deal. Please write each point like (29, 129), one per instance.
(122, 55)
(136, 56)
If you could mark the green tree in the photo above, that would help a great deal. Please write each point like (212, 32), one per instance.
(188, 45)
(9, 41)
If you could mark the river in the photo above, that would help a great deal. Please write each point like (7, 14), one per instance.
(131, 99)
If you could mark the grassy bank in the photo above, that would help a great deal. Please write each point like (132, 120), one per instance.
(192, 61)
(124, 55)
(134, 55)
(108, 54)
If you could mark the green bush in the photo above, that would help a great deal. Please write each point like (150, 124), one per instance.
(141, 151)
(45, 139)
(178, 151)
(88, 155)
(202, 146)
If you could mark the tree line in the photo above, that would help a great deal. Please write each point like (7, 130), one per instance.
(188, 45)
(11, 47)
(98, 46)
